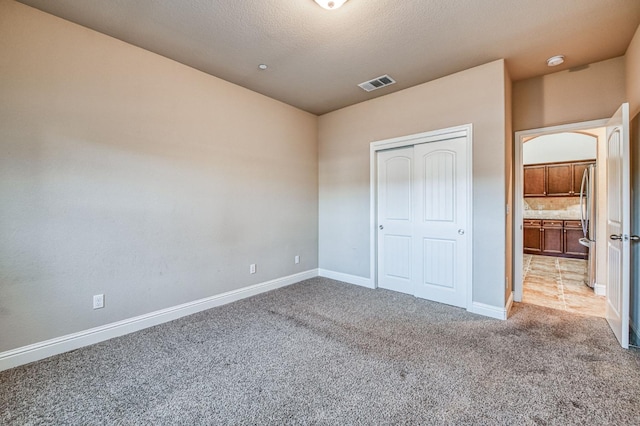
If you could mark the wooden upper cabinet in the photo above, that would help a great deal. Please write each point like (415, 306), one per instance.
(578, 171)
(554, 179)
(559, 180)
(534, 181)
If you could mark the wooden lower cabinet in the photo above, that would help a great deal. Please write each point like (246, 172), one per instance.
(572, 235)
(532, 236)
(554, 238)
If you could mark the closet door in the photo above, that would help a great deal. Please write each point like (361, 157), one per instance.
(440, 225)
(395, 220)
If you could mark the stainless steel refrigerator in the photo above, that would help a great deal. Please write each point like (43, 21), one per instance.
(588, 219)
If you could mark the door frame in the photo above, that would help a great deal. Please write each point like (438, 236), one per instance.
(518, 195)
(466, 131)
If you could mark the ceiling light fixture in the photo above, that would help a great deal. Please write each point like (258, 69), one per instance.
(554, 61)
(263, 67)
(330, 4)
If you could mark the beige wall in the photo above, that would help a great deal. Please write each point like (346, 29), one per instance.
(632, 58)
(592, 92)
(635, 226)
(128, 174)
(632, 63)
(474, 96)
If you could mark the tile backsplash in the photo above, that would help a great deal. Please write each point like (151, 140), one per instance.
(552, 203)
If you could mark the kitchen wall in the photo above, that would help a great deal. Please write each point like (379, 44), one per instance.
(477, 96)
(125, 173)
(567, 146)
(553, 203)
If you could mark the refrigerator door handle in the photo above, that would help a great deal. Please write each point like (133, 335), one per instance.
(583, 200)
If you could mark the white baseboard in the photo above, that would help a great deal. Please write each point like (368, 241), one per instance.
(58, 345)
(351, 279)
(490, 310)
(600, 289)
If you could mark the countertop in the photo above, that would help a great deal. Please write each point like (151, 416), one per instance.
(552, 214)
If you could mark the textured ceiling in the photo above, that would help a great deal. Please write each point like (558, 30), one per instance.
(317, 57)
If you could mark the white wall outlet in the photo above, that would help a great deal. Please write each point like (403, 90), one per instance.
(252, 268)
(296, 259)
(98, 301)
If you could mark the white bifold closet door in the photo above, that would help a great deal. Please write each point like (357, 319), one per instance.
(422, 219)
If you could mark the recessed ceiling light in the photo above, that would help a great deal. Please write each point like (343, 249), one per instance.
(331, 4)
(555, 60)
(263, 67)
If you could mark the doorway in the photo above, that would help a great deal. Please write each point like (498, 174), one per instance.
(557, 263)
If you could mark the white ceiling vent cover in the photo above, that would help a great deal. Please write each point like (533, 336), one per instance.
(377, 83)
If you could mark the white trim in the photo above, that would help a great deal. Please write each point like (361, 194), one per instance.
(350, 279)
(465, 131)
(518, 244)
(489, 310)
(509, 305)
(58, 345)
(600, 289)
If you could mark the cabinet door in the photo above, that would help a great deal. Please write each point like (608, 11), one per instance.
(534, 181)
(552, 237)
(571, 245)
(532, 239)
(559, 182)
(578, 171)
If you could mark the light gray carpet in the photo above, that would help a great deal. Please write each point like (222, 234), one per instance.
(324, 352)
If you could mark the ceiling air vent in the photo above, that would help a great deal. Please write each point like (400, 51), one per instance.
(377, 83)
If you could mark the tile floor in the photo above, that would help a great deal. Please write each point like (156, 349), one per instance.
(559, 283)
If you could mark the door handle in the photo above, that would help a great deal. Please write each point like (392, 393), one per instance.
(381, 227)
(616, 237)
(634, 238)
(460, 231)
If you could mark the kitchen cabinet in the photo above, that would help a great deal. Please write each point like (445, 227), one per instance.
(578, 171)
(534, 181)
(553, 237)
(572, 234)
(532, 236)
(561, 179)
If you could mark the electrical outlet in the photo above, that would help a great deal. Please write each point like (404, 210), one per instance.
(98, 301)
(252, 268)
(296, 259)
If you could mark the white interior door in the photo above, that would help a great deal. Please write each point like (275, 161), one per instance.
(422, 211)
(395, 219)
(440, 243)
(618, 224)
